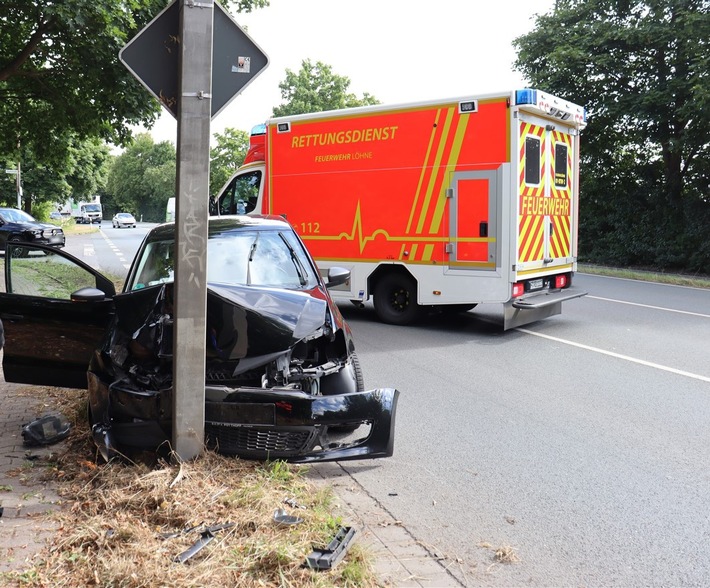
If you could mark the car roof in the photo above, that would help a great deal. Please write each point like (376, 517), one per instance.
(220, 224)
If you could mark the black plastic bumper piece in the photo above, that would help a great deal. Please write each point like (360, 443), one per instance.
(326, 558)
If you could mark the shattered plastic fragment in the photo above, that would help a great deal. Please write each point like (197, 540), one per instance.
(281, 517)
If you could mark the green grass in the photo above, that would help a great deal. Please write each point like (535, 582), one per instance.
(645, 275)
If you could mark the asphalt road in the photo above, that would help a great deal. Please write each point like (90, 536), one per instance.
(582, 442)
(108, 250)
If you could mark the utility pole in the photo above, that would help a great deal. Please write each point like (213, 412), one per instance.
(192, 208)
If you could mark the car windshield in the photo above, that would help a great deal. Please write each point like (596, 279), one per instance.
(92, 208)
(123, 215)
(17, 216)
(245, 258)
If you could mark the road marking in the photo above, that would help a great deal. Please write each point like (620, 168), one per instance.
(650, 306)
(657, 366)
(116, 250)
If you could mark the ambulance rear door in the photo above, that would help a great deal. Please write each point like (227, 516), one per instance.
(546, 194)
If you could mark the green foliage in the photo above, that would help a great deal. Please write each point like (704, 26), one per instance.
(64, 93)
(316, 88)
(141, 180)
(78, 171)
(227, 156)
(641, 69)
(60, 72)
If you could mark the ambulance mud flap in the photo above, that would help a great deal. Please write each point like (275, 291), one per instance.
(532, 308)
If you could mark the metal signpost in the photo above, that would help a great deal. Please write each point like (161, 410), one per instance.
(195, 59)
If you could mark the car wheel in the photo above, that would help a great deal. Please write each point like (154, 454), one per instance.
(18, 251)
(396, 299)
(355, 371)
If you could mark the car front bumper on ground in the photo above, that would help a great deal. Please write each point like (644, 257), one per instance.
(254, 423)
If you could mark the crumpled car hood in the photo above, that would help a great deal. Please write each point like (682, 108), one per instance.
(242, 321)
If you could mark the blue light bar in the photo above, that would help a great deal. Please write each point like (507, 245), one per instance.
(551, 106)
(258, 130)
(526, 96)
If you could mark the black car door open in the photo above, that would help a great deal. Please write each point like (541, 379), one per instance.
(55, 310)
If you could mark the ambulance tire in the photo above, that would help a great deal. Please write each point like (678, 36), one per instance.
(396, 299)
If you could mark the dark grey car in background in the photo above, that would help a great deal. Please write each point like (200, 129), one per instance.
(18, 226)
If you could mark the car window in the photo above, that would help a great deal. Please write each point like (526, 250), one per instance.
(155, 265)
(252, 258)
(45, 274)
(16, 216)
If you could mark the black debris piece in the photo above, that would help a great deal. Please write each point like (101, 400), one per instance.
(46, 430)
(326, 558)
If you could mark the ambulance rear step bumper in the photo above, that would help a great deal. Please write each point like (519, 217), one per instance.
(535, 307)
(546, 298)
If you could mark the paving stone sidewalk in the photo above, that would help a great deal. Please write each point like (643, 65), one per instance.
(24, 497)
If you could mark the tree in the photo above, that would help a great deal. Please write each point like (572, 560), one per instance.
(59, 71)
(61, 79)
(641, 69)
(227, 156)
(142, 179)
(316, 88)
(79, 172)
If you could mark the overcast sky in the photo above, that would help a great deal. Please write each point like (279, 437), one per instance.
(397, 50)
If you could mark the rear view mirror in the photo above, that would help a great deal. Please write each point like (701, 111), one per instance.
(337, 276)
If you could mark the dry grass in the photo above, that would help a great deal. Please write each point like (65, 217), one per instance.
(110, 529)
(505, 554)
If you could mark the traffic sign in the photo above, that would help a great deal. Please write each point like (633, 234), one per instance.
(152, 56)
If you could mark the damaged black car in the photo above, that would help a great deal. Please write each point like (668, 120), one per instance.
(282, 378)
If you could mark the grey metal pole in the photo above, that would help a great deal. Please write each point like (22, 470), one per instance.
(192, 207)
(19, 186)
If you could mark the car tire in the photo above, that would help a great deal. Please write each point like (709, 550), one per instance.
(396, 299)
(18, 251)
(360, 387)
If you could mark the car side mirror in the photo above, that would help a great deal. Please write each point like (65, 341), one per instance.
(88, 295)
(337, 276)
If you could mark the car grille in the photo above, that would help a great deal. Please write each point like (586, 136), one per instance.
(259, 441)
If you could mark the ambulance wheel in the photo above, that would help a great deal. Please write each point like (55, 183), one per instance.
(396, 299)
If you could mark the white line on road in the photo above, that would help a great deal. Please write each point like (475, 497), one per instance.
(116, 250)
(650, 306)
(619, 356)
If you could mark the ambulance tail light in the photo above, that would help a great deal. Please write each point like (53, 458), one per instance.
(518, 289)
(562, 281)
